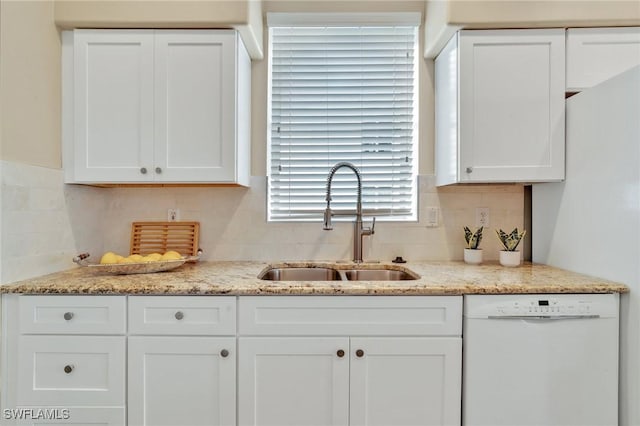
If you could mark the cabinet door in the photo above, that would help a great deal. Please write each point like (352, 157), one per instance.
(406, 381)
(293, 381)
(511, 105)
(195, 108)
(181, 381)
(113, 106)
(597, 54)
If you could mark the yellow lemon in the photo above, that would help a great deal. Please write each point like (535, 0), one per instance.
(126, 260)
(154, 256)
(171, 255)
(109, 258)
(135, 258)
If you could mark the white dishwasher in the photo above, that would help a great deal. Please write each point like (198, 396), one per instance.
(540, 360)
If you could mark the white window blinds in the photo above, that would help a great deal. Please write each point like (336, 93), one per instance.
(342, 94)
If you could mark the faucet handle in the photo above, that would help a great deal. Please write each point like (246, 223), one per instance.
(369, 231)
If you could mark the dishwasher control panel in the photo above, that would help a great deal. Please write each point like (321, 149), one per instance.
(541, 305)
(546, 306)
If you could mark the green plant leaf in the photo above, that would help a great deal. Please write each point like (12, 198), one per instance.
(473, 238)
(510, 241)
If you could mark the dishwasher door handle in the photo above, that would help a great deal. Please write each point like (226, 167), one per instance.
(542, 317)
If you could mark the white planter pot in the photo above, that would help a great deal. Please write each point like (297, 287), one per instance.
(510, 258)
(473, 256)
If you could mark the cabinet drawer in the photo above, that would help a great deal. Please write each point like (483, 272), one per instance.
(182, 315)
(72, 314)
(71, 370)
(351, 315)
(76, 416)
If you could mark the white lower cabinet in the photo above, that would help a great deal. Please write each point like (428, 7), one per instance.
(181, 381)
(181, 360)
(63, 360)
(293, 381)
(405, 381)
(389, 375)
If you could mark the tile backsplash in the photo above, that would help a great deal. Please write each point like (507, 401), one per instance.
(45, 223)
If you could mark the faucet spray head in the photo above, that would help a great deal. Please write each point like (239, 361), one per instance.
(327, 220)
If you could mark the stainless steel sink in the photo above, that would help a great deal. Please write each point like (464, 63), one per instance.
(301, 274)
(378, 275)
(323, 273)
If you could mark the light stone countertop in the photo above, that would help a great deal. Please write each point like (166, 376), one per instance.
(240, 278)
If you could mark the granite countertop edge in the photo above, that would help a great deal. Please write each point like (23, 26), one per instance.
(240, 278)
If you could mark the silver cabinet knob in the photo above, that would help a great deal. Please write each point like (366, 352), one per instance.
(224, 353)
(68, 369)
(179, 315)
(469, 169)
(68, 316)
(143, 170)
(158, 170)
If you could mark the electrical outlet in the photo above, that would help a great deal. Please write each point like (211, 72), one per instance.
(432, 217)
(482, 217)
(173, 215)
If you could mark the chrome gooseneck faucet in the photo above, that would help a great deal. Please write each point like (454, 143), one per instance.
(358, 230)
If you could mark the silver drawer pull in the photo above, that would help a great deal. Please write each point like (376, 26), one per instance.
(68, 316)
(68, 369)
(179, 315)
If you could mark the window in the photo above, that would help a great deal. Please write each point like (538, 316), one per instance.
(342, 94)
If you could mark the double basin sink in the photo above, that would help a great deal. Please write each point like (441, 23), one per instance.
(322, 273)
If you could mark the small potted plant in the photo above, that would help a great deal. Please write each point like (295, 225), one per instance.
(473, 252)
(510, 256)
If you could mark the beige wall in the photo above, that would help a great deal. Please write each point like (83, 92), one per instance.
(29, 84)
(119, 13)
(543, 13)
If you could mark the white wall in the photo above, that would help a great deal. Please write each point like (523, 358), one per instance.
(591, 222)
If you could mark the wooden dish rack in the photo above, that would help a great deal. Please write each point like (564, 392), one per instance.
(159, 237)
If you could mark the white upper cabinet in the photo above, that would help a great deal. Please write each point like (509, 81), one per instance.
(597, 54)
(112, 105)
(164, 106)
(500, 107)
